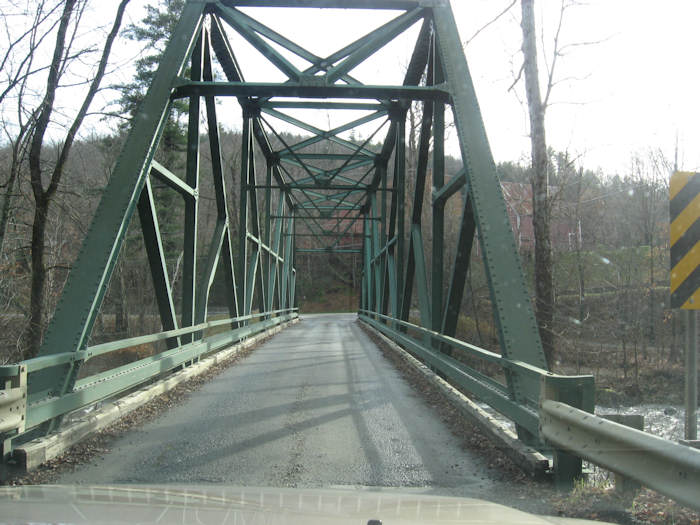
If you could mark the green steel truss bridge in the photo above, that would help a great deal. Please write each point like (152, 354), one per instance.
(312, 196)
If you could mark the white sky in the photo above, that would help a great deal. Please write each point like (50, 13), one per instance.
(633, 91)
(638, 87)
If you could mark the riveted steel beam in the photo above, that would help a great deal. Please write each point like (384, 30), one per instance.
(321, 186)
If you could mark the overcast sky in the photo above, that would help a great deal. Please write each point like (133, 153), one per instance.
(635, 89)
(638, 86)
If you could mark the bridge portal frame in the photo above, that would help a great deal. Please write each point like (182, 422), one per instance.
(259, 264)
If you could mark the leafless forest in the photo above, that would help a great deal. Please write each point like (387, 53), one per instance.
(608, 232)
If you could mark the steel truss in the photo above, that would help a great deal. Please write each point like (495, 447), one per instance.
(310, 197)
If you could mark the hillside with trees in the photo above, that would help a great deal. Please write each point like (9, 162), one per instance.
(608, 232)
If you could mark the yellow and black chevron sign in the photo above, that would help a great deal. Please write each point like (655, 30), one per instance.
(685, 240)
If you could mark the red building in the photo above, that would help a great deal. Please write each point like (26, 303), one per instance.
(518, 197)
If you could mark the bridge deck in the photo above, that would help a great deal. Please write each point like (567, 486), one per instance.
(317, 405)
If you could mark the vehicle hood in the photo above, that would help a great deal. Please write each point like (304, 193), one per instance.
(218, 505)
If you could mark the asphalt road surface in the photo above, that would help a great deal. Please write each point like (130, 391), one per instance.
(317, 405)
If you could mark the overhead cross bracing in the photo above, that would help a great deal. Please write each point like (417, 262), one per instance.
(323, 168)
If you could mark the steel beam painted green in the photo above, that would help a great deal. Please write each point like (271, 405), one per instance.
(156, 261)
(329, 249)
(119, 380)
(375, 243)
(513, 312)
(171, 180)
(354, 106)
(246, 159)
(274, 36)
(455, 184)
(326, 156)
(227, 60)
(287, 266)
(437, 266)
(189, 259)
(85, 288)
(378, 39)
(318, 63)
(265, 89)
(460, 267)
(267, 235)
(415, 266)
(233, 18)
(341, 219)
(330, 187)
(324, 201)
(209, 270)
(224, 249)
(399, 252)
(337, 4)
(331, 135)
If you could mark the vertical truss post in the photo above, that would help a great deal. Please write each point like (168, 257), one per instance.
(416, 254)
(292, 265)
(438, 207)
(378, 269)
(518, 332)
(287, 266)
(84, 291)
(275, 269)
(267, 257)
(220, 240)
(384, 225)
(189, 266)
(460, 268)
(367, 264)
(156, 261)
(400, 197)
(246, 155)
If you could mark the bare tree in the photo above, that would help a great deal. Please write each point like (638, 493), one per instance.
(650, 179)
(44, 187)
(541, 210)
(542, 202)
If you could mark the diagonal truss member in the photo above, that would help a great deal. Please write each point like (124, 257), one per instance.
(324, 187)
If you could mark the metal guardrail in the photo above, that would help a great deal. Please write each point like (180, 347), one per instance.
(569, 432)
(484, 387)
(17, 416)
(577, 389)
(664, 466)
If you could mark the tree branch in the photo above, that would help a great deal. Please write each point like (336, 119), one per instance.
(490, 22)
(70, 137)
(48, 103)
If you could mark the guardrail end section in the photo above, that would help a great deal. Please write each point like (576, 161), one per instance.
(13, 406)
(578, 392)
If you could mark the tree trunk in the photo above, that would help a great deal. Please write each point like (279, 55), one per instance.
(43, 196)
(36, 307)
(544, 289)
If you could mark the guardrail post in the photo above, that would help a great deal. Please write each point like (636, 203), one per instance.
(623, 484)
(577, 392)
(13, 409)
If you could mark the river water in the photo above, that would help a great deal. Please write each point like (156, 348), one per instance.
(665, 421)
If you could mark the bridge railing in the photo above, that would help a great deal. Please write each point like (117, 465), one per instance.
(18, 417)
(561, 419)
(428, 346)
